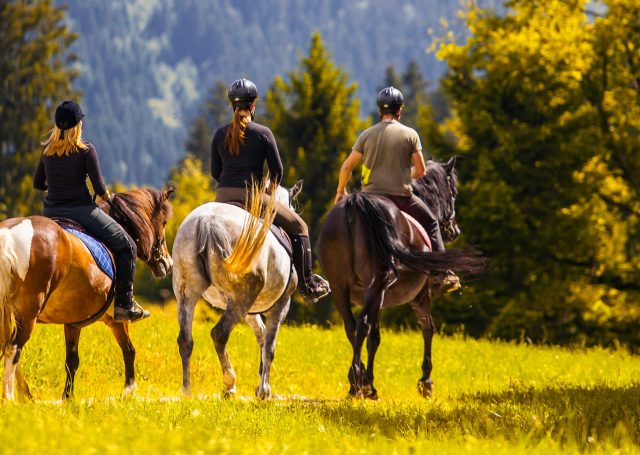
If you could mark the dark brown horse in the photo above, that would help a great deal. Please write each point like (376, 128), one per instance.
(48, 275)
(374, 257)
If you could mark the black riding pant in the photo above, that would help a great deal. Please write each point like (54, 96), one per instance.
(415, 207)
(104, 228)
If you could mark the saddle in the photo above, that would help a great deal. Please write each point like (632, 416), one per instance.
(279, 233)
(102, 257)
(98, 250)
(419, 228)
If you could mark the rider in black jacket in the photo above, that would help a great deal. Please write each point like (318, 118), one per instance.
(238, 153)
(62, 171)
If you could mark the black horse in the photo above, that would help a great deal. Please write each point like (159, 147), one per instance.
(373, 256)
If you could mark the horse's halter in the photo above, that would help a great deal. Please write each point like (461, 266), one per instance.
(449, 221)
(156, 250)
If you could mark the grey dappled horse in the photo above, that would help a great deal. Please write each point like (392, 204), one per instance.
(203, 246)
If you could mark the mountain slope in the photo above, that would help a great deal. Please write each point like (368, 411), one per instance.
(147, 64)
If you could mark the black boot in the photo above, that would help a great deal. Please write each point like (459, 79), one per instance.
(127, 309)
(312, 287)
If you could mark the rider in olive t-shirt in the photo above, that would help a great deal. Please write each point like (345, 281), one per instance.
(388, 150)
(387, 147)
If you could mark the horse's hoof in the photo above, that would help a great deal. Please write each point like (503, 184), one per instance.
(425, 388)
(263, 394)
(229, 394)
(130, 390)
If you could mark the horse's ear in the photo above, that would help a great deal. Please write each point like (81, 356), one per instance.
(449, 165)
(169, 192)
(296, 189)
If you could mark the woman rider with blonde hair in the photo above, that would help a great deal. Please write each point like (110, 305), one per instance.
(65, 163)
(238, 153)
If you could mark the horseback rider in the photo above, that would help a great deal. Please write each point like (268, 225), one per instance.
(238, 153)
(392, 155)
(62, 171)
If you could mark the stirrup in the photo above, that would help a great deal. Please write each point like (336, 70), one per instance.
(132, 314)
(316, 289)
(449, 282)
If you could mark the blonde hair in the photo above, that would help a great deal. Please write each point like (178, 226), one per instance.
(234, 137)
(63, 142)
(254, 230)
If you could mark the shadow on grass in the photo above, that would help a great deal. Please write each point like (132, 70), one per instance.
(567, 414)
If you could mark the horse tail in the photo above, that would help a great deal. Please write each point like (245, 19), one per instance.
(254, 230)
(211, 237)
(382, 241)
(8, 275)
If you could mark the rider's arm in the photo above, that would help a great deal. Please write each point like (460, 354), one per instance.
(93, 170)
(39, 178)
(418, 169)
(345, 173)
(274, 163)
(216, 160)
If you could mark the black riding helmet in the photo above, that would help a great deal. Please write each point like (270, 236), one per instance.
(390, 99)
(242, 93)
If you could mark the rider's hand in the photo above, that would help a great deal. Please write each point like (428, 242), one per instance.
(106, 196)
(340, 196)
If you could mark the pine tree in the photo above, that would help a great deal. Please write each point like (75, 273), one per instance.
(36, 71)
(314, 117)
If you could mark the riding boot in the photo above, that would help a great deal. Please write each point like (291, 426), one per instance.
(312, 287)
(125, 306)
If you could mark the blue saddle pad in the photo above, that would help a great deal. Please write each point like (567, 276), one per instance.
(97, 249)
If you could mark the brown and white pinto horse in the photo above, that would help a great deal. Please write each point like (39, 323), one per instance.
(48, 275)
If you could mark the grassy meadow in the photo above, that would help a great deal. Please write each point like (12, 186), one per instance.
(490, 397)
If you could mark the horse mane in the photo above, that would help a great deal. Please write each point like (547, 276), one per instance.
(136, 210)
(434, 188)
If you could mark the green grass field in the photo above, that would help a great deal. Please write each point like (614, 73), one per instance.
(489, 397)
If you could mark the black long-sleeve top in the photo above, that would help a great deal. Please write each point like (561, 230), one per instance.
(236, 170)
(65, 178)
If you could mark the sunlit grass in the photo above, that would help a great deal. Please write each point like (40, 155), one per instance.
(489, 397)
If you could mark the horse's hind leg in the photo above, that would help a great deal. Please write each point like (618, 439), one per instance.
(255, 322)
(367, 320)
(72, 361)
(120, 331)
(186, 309)
(220, 336)
(275, 316)
(373, 342)
(422, 308)
(12, 357)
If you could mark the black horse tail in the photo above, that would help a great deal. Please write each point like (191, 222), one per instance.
(383, 243)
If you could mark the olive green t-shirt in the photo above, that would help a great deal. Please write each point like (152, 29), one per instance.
(387, 148)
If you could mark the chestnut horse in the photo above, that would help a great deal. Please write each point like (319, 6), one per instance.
(374, 257)
(48, 275)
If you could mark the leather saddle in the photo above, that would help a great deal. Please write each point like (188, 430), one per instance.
(419, 228)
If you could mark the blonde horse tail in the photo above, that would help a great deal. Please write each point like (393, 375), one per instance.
(8, 275)
(254, 231)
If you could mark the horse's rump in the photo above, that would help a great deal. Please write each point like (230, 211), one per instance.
(211, 232)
